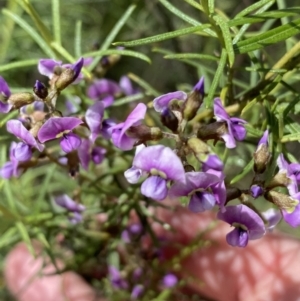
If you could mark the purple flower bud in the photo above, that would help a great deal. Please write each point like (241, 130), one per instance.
(40, 90)
(161, 102)
(235, 128)
(7, 170)
(169, 119)
(199, 87)
(262, 155)
(169, 280)
(76, 67)
(212, 162)
(248, 225)
(119, 137)
(256, 191)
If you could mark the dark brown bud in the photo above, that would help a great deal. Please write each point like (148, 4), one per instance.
(40, 90)
(169, 119)
(144, 133)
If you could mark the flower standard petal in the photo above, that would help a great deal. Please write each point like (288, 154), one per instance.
(161, 102)
(155, 187)
(16, 128)
(93, 118)
(219, 111)
(46, 66)
(84, 153)
(57, 125)
(70, 142)
(160, 158)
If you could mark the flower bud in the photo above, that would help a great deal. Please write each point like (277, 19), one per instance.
(40, 90)
(194, 101)
(19, 100)
(282, 201)
(144, 133)
(256, 191)
(262, 155)
(169, 119)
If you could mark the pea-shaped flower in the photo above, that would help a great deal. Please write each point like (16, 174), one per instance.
(162, 165)
(247, 225)
(61, 127)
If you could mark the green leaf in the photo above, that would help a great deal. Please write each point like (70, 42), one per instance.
(25, 237)
(253, 131)
(10, 236)
(192, 56)
(77, 39)
(245, 171)
(208, 6)
(19, 64)
(112, 35)
(226, 37)
(127, 99)
(56, 21)
(215, 82)
(34, 35)
(253, 7)
(290, 137)
(164, 36)
(273, 36)
(131, 53)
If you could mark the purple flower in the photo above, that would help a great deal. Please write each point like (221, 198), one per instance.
(212, 162)
(273, 217)
(16, 128)
(4, 95)
(162, 165)
(199, 186)
(162, 102)
(137, 291)
(88, 152)
(61, 127)
(48, 68)
(131, 232)
(116, 279)
(107, 127)
(235, 128)
(119, 137)
(295, 170)
(102, 88)
(169, 280)
(76, 209)
(292, 216)
(247, 225)
(93, 118)
(10, 168)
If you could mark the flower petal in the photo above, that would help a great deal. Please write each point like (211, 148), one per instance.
(201, 201)
(160, 102)
(155, 187)
(4, 88)
(237, 238)
(93, 118)
(70, 142)
(46, 67)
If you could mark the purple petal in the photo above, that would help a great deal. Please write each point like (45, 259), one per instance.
(273, 217)
(5, 107)
(7, 170)
(237, 238)
(162, 159)
(93, 118)
(295, 170)
(212, 162)
(155, 187)
(103, 87)
(84, 153)
(137, 291)
(126, 85)
(194, 180)
(256, 191)
(239, 132)
(293, 218)
(159, 103)
(56, 126)
(4, 88)
(76, 67)
(201, 201)
(107, 127)
(66, 202)
(264, 139)
(119, 137)
(22, 152)
(219, 111)
(46, 67)
(70, 142)
(169, 280)
(97, 154)
(199, 87)
(283, 164)
(16, 128)
(108, 101)
(76, 218)
(243, 215)
(133, 175)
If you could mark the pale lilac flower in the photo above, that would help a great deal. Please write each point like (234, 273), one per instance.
(273, 217)
(16, 128)
(119, 137)
(169, 280)
(200, 187)
(247, 225)
(4, 95)
(212, 162)
(93, 118)
(235, 126)
(61, 127)
(162, 165)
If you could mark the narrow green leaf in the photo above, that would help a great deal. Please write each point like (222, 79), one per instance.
(249, 105)
(56, 21)
(77, 40)
(10, 236)
(127, 99)
(253, 131)
(135, 54)
(150, 90)
(290, 137)
(192, 56)
(291, 105)
(273, 36)
(215, 82)
(226, 37)
(208, 6)
(253, 7)
(34, 35)
(25, 237)
(164, 36)
(112, 35)
(19, 64)
(245, 171)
